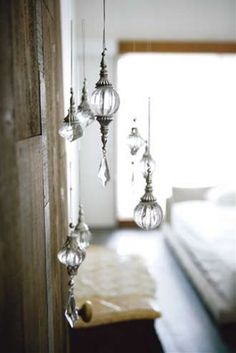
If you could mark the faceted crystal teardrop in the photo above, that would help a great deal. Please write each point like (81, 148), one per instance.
(71, 313)
(104, 173)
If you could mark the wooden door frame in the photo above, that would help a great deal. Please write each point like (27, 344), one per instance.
(140, 46)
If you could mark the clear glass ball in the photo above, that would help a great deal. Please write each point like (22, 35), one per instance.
(71, 254)
(148, 215)
(105, 101)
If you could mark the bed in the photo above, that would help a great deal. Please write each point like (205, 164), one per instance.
(201, 230)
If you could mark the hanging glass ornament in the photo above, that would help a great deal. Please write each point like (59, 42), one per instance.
(148, 213)
(84, 112)
(147, 160)
(82, 231)
(105, 103)
(71, 255)
(71, 128)
(135, 140)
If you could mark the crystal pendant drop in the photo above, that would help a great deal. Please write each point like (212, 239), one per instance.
(71, 312)
(104, 173)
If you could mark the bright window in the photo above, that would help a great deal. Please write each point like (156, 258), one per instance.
(193, 122)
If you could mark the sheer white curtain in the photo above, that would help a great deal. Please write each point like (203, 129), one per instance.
(193, 121)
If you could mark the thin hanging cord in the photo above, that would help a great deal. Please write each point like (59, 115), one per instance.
(149, 123)
(83, 42)
(71, 52)
(104, 25)
(79, 174)
(70, 181)
(149, 128)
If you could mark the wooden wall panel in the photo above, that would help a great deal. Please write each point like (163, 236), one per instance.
(32, 177)
(10, 268)
(34, 286)
(55, 166)
(26, 84)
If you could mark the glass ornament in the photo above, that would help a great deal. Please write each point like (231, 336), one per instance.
(104, 172)
(84, 113)
(71, 128)
(146, 161)
(82, 231)
(71, 312)
(148, 213)
(71, 255)
(134, 140)
(105, 101)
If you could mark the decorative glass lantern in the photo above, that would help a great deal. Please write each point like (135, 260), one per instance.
(148, 213)
(105, 103)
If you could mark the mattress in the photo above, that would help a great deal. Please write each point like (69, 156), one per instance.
(208, 233)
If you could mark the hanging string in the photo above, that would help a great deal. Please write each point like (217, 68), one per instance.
(71, 52)
(149, 127)
(104, 25)
(70, 188)
(79, 173)
(83, 43)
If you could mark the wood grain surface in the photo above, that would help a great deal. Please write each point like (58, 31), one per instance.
(32, 178)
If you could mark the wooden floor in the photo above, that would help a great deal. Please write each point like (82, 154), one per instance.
(186, 325)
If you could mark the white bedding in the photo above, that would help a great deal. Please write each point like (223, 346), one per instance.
(208, 233)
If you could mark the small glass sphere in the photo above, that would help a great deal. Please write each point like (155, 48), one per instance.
(105, 101)
(71, 254)
(148, 215)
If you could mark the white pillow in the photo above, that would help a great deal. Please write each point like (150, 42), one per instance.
(222, 195)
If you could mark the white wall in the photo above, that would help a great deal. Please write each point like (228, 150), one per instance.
(136, 19)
